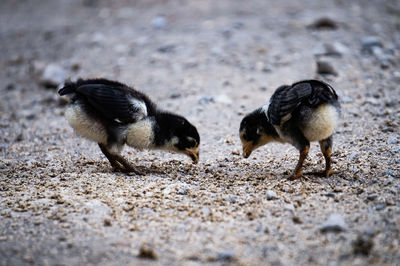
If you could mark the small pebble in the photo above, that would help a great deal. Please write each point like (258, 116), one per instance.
(324, 23)
(232, 198)
(182, 191)
(225, 99)
(389, 172)
(107, 222)
(326, 68)
(297, 220)
(10, 86)
(271, 195)
(390, 202)
(380, 206)
(175, 96)
(353, 156)
(334, 223)
(147, 252)
(53, 75)
(372, 197)
(392, 140)
(369, 42)
(363, 245)
(168, 48)
(205, 211)
(206, 100)
(235, 152)
(226, 256)
(330, 195)
(331, 49)
(159, 22)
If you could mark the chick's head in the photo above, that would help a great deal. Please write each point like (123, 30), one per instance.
(252, 132)
(183, 136)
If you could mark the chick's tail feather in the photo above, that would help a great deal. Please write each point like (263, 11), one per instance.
(69, 87)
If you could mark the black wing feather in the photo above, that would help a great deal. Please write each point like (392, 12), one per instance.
(112, 102)
(287, 98)
(275, 106)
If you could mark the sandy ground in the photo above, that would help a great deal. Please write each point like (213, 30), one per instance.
(213, 62)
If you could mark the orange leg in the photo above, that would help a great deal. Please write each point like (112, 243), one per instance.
(326, 148)
(297, 171)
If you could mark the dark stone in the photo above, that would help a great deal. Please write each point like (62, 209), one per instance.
(380, 206)
(324, 24)
(238, 25)
(147, 252)
(169, 48)
(10, 87)
(175, 95)
(226, 256)
(363, 245)
(19, 137)
(206, 100)
(90, 3)
(107, 222)
(30, 116)
(297, 220)
(372, 197)
(330, 195)
(325, 68)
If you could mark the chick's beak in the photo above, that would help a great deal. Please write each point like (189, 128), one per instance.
(194, 154)
(247, 149)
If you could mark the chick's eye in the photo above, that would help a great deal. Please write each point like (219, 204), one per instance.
(191, 142)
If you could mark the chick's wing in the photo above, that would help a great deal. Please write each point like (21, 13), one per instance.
(286, 99)
(113, 102)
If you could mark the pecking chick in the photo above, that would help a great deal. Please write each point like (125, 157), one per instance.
(113, 114)
(298, 114)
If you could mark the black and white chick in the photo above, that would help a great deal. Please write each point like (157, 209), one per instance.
(113, 114)
(298, 114)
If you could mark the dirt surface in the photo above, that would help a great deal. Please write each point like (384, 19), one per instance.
(213, 62)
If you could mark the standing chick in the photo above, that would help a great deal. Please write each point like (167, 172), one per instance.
(113, 114)
(298, 114)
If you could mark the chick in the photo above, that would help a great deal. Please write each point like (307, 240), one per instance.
(113, 114)
(298, 114)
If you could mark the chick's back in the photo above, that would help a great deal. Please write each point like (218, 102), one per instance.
(98, 107)
(110, 100)
(311, 105)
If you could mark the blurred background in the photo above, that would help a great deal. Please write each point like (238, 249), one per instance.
(193, 53)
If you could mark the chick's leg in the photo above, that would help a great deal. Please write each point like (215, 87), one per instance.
(114, 163)
(118, 162)
(303, 155)
(326, 148)
(127, 166)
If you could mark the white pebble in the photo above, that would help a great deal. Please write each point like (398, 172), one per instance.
(271, 195)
